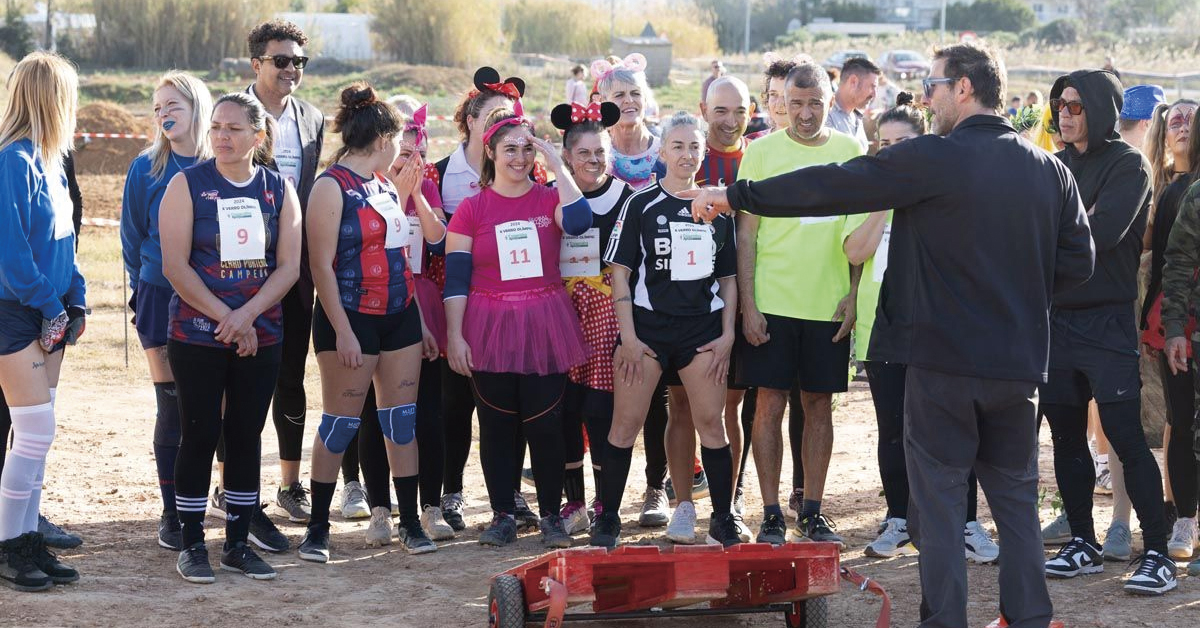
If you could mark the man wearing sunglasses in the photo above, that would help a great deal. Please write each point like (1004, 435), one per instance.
(1093, 335)
(987, 228)
(277, 57)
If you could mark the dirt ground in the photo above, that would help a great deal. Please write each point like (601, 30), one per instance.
(101, 484)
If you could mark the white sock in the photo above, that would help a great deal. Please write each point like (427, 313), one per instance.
(21, 480)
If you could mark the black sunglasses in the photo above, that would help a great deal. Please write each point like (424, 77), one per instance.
(282, 62)
(1074, 107)
(930, 83)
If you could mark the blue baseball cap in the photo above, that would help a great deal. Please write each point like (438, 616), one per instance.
(1140, 101)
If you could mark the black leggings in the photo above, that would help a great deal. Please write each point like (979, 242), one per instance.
(1179, 392)
(458, 404)
(1076, 473)
(204, 376)
(795, 431)
(654, 438)
(509, 404)
(290, 403)
(887, 393)
(578, 416)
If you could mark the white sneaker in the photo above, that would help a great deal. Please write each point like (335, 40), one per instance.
(379, 531)
(654, 509)
(435, 526)
(979, 545)
(1103, 479)
(893, 540)
(575, 517)
(682, 528)
(1183, 538)
(354, 501)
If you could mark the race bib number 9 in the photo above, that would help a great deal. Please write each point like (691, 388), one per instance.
(579, 256)
(243, 232)
(519, 249)
(393, 219)
(416, 245)
(691, 251)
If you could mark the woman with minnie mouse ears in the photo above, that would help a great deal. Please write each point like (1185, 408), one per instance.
(587, 155)
(457, 178)
(509, 321)
(635, 148)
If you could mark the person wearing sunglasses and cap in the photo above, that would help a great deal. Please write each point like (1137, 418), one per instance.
(1093, 335)
(967, 315)
(277, 57)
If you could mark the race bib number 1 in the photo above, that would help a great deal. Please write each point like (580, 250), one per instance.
(519, 249)
(393, 218)
(579, 256)
(243, 233)
(691, 251)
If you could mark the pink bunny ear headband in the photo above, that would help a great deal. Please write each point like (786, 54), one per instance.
(634, 62)
(417, 124)
(518, 120)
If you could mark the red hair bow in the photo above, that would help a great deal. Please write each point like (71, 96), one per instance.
(590, 113)
(506, 88)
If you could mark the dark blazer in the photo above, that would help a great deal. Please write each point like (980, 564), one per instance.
(988, 227)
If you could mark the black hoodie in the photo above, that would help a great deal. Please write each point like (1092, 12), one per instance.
(1114, 183)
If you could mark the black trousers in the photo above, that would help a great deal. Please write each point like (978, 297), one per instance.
(290, 402)
(1179, 392)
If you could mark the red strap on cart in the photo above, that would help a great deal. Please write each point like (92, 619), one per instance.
(866, 584)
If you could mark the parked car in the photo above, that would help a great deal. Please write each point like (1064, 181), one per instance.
(839, 58)
(904, 65)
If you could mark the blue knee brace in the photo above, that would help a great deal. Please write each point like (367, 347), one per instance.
(399, 423)
(336, 432)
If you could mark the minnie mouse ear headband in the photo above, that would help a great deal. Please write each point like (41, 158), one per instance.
(488, 78)
(602, 69)
(566, 116)
(517, 120)
(417, 124)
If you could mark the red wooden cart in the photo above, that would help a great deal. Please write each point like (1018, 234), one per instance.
(645, 581)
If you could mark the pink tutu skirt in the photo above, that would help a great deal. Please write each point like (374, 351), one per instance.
(528, 332)
(430, 296)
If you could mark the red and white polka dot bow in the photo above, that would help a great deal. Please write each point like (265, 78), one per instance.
(579, 113)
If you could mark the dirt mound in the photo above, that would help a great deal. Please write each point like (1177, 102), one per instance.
(108, 155)
(420, 79)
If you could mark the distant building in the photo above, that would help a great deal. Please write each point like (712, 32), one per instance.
(914, 14)
(1050, 10)
(341, 36)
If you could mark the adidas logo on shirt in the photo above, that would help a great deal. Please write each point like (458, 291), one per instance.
(685, 212)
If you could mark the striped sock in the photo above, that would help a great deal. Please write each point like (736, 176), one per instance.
(191, 517)
(240, 507)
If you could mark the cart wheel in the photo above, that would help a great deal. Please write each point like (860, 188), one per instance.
(812, 613)
(506, 603)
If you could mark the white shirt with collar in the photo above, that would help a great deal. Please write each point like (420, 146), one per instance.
(459, 182)
(288, 148)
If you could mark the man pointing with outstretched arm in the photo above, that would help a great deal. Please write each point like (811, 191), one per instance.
(987, 229)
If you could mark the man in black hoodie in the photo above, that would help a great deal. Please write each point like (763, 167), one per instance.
(1093, 335)
(987, 228)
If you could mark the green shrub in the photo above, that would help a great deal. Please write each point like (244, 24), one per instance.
(570, 27)
(173, 33)
(447, 32)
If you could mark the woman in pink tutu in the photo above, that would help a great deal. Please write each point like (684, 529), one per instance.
(510, 324)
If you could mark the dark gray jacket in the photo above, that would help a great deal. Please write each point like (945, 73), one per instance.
(987, 228)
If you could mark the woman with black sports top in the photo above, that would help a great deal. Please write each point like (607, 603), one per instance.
(587, 155)
(510, 324)
(367, 328)
(457, 178)
(675, 319)
(42, 301)
(230, 231)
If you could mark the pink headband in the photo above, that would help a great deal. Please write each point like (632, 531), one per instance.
(518, 120)
(417, 124)
(634, 62)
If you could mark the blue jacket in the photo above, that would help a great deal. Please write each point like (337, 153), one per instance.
(36, 269)
(140, 244)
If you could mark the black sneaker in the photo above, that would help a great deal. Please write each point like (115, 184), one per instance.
(193, 564)
(48, 563)
(241, 559)
(170, 533)
(55, 536)
(819, 529)
(722, 530)
(773, 530)
(1154, 576)
(1076, 558)
(17, 567)
(452, 511)
(315, 545)
(526, 518)
(554, 534)
(413, 537)
(293, 500)
(501, 532)
(606, 531)
(264, 534)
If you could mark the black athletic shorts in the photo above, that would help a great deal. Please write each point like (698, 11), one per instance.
(1093, 355)
(798, 349)
(671, 378)
(375, 333)
(20, 326)
(674, 339)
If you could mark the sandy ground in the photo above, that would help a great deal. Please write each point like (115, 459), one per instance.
(101, 484)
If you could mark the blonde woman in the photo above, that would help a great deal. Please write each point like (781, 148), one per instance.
(41, 300)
